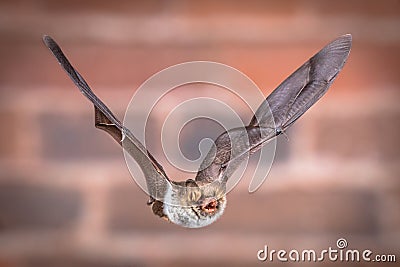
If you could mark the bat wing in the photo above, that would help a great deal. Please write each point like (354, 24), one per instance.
(156, 178)
(279, 111)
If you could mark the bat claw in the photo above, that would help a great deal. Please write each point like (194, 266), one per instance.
(123, 134)
(150, 201)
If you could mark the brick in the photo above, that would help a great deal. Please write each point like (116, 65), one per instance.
(353, 7)
(320, 211)
(268, 65)
(389, 212)
(127, 210)
(34, 208)
(76, 261)
(370, 136)
(70, 137)
(8, 134)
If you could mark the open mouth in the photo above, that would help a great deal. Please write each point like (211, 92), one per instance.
(210, 206)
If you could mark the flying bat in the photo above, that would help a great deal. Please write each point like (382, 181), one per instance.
(201, 201)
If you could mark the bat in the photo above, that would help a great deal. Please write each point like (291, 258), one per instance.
(201, 201)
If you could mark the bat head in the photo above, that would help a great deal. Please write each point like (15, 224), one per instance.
(194, 204)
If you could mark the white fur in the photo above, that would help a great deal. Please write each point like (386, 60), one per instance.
(185, 216)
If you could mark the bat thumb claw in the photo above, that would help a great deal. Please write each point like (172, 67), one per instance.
(123, 135)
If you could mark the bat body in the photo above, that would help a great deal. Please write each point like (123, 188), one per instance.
(200, 202)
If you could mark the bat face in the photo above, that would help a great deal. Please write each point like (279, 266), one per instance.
(200, 202)
(194, 204)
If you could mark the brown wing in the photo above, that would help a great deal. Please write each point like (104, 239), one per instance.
(156, 178)
(280, 110)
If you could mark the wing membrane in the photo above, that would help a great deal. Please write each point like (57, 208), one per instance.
(291, 99)
(156, 178)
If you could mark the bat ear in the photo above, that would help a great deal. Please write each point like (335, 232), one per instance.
(191, 183)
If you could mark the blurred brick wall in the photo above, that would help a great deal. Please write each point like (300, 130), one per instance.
(66, 196)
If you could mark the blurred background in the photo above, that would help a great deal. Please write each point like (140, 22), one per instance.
(66, 196)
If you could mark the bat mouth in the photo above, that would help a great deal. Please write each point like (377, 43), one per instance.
(210, 205)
